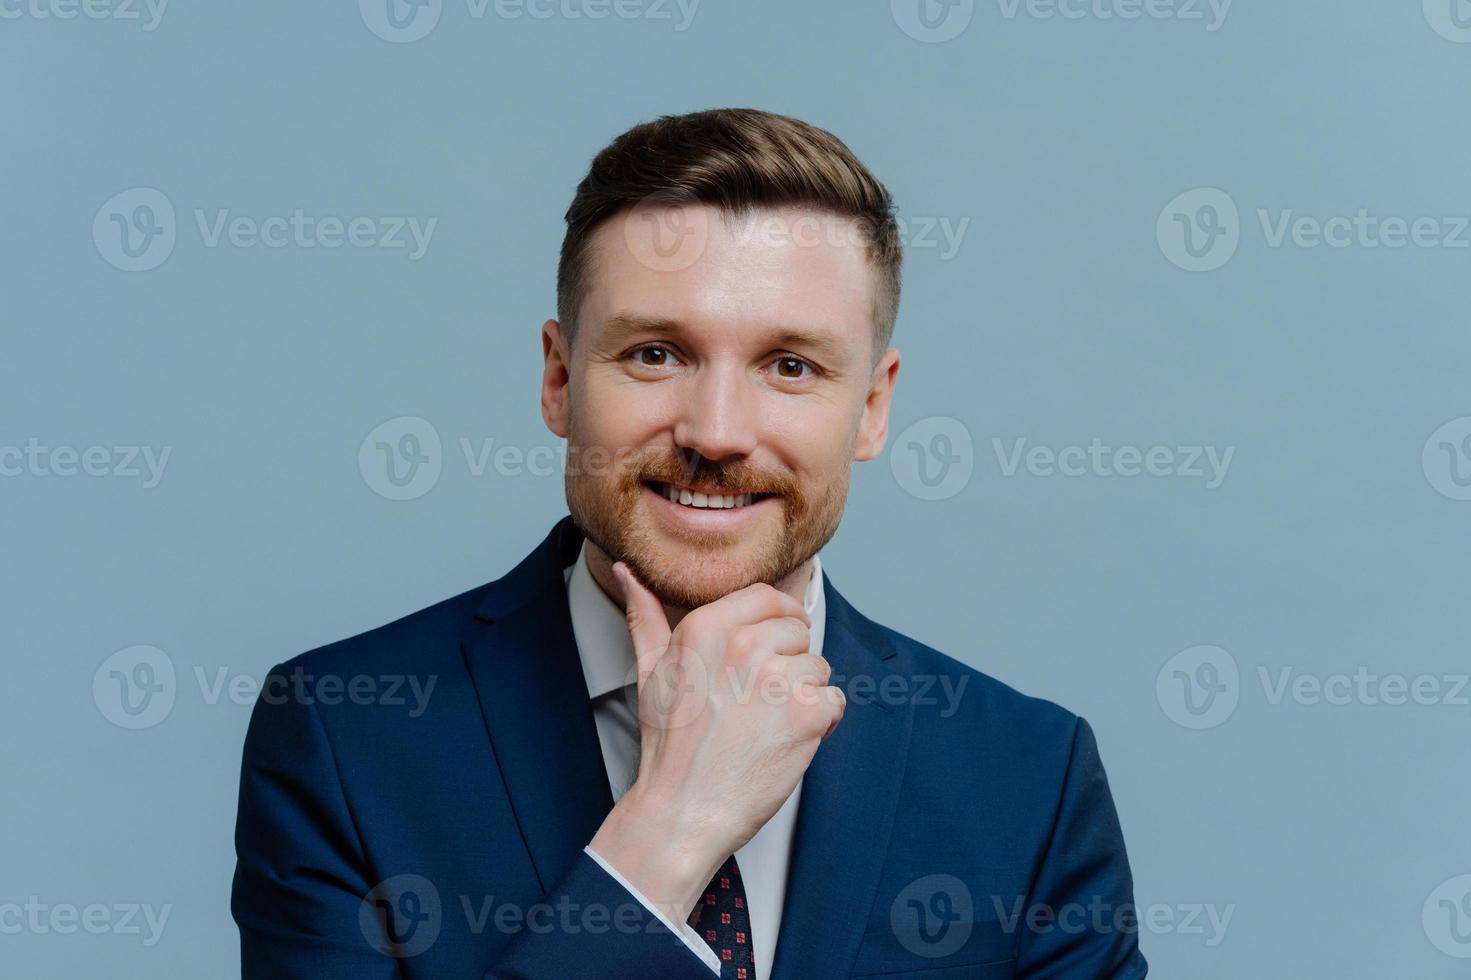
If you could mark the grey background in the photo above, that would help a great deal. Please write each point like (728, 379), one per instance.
(1060, 318)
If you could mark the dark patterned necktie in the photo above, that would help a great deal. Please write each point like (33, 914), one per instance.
(722, 920)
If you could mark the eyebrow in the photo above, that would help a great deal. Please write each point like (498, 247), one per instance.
(621, 326)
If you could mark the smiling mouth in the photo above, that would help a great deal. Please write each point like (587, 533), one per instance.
(704, 499)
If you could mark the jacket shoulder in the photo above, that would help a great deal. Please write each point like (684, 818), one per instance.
(413, 641)
(976, 703)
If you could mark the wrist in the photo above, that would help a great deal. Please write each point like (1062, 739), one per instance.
(657, 852)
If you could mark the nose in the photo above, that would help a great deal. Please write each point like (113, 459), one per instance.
(718, 414)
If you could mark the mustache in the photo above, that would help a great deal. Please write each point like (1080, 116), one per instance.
(737, 476)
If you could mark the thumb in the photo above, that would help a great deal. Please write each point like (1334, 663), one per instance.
(648, 627)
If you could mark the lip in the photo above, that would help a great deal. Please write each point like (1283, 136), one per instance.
(707, 519)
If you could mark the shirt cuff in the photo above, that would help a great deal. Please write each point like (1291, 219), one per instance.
(691, 938)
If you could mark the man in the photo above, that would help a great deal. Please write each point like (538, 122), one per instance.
(664, 745)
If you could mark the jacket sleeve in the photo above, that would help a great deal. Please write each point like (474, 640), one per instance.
(1083, 890)
(310, 907)
(300, 873)
(640, 947)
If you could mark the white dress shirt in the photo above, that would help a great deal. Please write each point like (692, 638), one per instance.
(611, 671)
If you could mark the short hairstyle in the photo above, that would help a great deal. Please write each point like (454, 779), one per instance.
(736, 160)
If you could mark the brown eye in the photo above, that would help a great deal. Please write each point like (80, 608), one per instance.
(653, 356)
(790, 367)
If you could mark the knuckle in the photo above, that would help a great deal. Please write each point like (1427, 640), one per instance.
(747, 638)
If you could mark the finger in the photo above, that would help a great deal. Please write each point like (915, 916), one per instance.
(807, 668)
(648, 627)
(753, 604)
(836, 702)
(785, 636)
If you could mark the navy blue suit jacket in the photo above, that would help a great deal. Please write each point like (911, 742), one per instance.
(930, 844)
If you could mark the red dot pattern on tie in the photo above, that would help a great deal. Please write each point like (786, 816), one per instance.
(722, 920)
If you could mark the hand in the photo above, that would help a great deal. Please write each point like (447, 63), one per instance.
(732, 708)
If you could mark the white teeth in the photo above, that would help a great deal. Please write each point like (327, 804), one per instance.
(708, 501)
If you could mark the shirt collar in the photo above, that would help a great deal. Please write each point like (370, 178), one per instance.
(601, 631)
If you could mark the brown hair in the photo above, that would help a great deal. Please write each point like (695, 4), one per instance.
(736, 160)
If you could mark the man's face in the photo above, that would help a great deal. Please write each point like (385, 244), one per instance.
(724, 361)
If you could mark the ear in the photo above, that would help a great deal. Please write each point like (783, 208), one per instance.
(556, 375)
(873, 427)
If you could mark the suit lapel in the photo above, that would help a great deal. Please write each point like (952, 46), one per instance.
(846, 813)
(524, 663)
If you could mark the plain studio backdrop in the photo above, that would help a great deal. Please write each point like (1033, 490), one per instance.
(1180, 441)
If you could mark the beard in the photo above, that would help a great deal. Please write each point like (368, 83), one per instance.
(606, 502)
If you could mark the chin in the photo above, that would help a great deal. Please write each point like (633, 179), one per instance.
(687, 575)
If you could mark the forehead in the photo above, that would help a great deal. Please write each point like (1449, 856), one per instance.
(732, 276)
